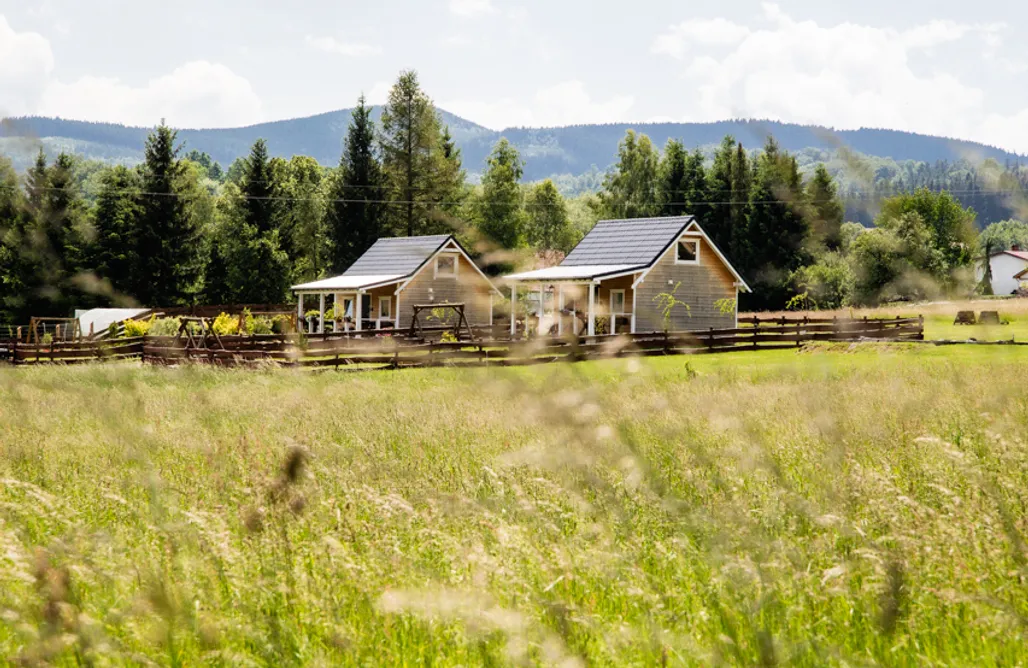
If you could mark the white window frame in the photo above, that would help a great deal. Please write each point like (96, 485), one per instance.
(693, 240)
(456, 265)
(624, 302)
(388, 301)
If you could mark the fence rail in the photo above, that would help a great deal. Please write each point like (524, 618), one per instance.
(388, 349)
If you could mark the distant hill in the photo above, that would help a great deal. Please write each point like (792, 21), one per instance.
(574, 150)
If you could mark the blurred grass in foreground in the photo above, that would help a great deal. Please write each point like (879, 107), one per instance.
(847, 505)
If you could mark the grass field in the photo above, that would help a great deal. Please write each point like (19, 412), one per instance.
(939, 318)
(846, 505)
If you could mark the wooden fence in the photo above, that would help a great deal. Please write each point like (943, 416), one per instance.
(393, 350)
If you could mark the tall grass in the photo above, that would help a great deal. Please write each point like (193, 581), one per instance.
(761, 509)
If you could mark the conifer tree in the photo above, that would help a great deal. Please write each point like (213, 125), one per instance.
(671, 187)
(357, 212)
(116, 223)
(718, 221)
(409, 142)
(168, 248)
(826, 209)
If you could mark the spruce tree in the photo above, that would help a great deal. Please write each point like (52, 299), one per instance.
(357, 212)
(773, 242)
(11, 239)
(116, 223)
(257, 267)
(671, 186)
(826, 209)
(718, 221)
(168, 248)
(410, 147)
(449, 189)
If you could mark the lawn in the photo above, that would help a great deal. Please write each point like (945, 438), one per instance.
(843, 505)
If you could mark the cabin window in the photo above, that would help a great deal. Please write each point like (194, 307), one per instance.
(617, 301)
(446, 266)
(688, 251)
(385, 307)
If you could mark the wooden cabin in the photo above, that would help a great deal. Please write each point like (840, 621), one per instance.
(622, 273)
(396, 274)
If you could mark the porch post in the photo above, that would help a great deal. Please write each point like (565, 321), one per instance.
(299, 311)
(358, 311)
(321, 313)
(560, 309)
(337, 308)
(542, 309)
(592, 309)
(396, 316)
(634, 292)
(513, 314)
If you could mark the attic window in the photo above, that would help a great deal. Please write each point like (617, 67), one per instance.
(446, 266)
(688, 251)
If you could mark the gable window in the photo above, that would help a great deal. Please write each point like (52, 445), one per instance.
(617, 302)
(688, 251)
(385, 307)
(446, 266)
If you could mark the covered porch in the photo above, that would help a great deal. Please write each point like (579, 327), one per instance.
(584, 300)
(349, 304)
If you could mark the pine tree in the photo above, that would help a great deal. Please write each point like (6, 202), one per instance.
(501, 217)
(410, 143)
(261, 207)
(168, 249)
(739, 198)
(548, 226)
(37, 181)
(826, 209)
(116, 222)
(357, 213)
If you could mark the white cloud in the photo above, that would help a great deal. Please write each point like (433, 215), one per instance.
(566, 103)
(26, 62)
(379, 92)
(847, 76)
(471, 7)
(348, 49)
(197, 94)
(714, 32)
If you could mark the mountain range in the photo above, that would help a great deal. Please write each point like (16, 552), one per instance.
(548, 152)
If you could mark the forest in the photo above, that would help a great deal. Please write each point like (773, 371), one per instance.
(808, 230)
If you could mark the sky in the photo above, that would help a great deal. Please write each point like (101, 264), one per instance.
(943, 67)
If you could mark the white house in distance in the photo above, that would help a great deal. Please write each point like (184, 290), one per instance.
(396, 274)
(1006, 265)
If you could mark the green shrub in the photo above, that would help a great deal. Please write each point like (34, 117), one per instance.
(165, 327)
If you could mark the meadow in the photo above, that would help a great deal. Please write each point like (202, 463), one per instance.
(841, 505)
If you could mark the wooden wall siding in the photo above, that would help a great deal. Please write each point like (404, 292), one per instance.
(603, 294)
(702, 286)
(373, 295)
(469, 288)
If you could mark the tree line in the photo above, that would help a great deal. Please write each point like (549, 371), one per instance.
(180, 229)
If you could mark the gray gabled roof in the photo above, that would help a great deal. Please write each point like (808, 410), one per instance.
(400, 256)
(637, 242)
